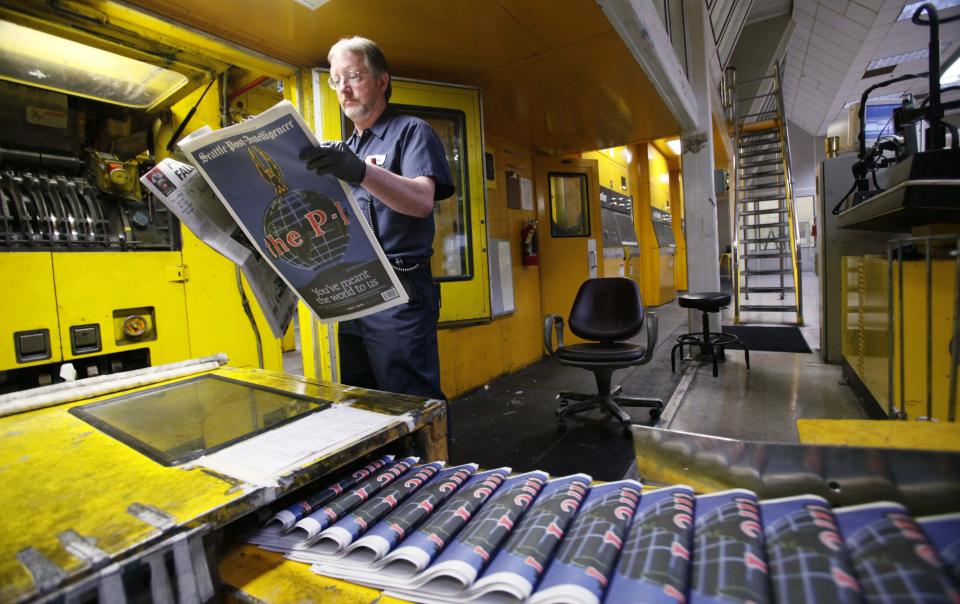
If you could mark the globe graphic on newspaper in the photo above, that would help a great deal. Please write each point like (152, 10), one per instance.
(306, 229)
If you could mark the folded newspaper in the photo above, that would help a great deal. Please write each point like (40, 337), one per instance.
(436, 534)
(180, 187)
(306, 226)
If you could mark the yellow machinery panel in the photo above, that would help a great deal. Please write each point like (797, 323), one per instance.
(133, 262)
(866, 333)
(119, 282)
(32, 307)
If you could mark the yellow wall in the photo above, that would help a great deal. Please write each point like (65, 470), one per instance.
(657, 273)
(676, 209)
(471, 356)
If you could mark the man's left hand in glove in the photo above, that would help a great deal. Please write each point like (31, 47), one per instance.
(335, 159)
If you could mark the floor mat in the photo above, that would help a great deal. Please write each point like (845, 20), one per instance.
(772, 338)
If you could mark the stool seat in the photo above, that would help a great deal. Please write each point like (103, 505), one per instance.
(705, 301)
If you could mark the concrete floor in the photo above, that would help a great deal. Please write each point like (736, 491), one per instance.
(510, 421)
(764, 402)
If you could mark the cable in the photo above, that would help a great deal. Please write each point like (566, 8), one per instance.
(862, 137)
(836, 208)
(249, 312)
(186, 120)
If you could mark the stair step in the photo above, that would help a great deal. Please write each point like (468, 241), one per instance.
(765, 240)
(772, 185)
(759, 133)
(755, 138)
(761, 174)
(766, 290)
(758, 212)
(760, 154)
(757, 164)
(764, 225)
(773, 271)
(753, 255)
(763, 198)
(741, 145)
(768, 308)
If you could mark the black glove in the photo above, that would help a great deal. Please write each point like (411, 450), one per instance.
(335, 159)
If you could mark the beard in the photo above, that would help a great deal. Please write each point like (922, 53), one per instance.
(358, 111)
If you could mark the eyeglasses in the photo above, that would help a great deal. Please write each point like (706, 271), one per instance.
(351, 77)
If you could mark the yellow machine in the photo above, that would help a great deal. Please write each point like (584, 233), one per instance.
(107, 279)
(905, 370)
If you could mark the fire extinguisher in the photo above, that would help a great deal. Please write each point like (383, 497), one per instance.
(529, 247)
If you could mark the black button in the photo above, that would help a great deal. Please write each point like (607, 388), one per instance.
(32, 345)
(85, 339)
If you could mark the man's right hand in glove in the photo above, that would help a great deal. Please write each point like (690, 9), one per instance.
(335, 159)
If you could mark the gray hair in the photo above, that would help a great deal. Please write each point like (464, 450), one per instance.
(373, 57)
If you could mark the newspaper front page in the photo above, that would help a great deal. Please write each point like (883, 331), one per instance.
(182, 189)
(307, 226)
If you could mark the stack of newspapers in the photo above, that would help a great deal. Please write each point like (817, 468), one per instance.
(432, 533)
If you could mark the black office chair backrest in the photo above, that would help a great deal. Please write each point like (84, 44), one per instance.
(607, 309)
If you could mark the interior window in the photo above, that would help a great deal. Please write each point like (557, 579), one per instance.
(569, 209)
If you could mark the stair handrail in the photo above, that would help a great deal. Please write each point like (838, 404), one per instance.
(788, 193)
(730, 81)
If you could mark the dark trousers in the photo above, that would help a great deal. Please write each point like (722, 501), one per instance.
(395, 350)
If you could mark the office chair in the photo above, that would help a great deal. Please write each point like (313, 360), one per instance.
(606, 311)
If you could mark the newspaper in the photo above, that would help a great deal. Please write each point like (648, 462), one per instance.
(491, 537)
(185, 193)
(307, 226)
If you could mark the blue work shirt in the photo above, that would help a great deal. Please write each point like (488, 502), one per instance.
(407, 146)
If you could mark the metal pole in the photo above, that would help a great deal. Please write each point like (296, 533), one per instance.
(955, 352)
(903, 402)
(890, 398)
(929, 331)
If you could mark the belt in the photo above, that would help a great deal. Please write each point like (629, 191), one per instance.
(405, 264)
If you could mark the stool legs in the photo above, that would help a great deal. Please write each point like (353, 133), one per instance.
(711, 344)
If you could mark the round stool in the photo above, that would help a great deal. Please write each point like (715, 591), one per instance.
(710, 344)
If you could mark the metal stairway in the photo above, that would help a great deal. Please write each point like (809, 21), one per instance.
(766, 269)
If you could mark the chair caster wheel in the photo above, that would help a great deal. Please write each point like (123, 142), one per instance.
(562, 428)
(655, 414)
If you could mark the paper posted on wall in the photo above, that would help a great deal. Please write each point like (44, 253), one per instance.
(307, 226)
(182, 189)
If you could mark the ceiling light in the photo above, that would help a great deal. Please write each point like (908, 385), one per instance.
(312, 4)
(674, 144)
(911, 8)
(893, 96)
(914, 55)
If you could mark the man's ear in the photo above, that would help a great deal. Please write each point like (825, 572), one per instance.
(384, 81)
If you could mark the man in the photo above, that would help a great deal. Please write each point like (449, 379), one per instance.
(398, 169)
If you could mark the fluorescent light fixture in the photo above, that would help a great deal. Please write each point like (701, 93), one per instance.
(940, 5)
(892, 96)
(36, 58)
(951, 75)
(312, 4)
(913, 55)
(674, 144)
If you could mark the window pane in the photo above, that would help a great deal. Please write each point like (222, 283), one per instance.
(179, 422)
(569, 212)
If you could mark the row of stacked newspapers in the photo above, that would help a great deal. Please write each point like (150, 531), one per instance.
(436, 533)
